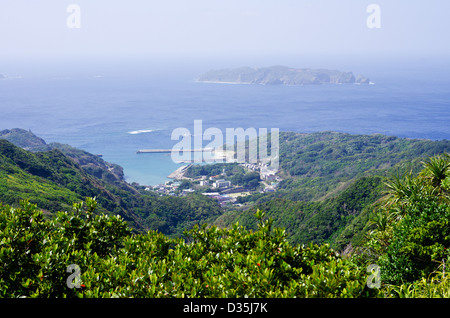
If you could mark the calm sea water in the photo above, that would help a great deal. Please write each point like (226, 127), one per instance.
(117, 113)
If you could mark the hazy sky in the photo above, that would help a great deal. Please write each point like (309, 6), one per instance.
(214, 28)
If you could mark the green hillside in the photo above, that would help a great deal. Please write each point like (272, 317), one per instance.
(54, 181)
(331, 182)
(92, 164)
(328, 221)
(346, 203)
(315, 165)
(404, 255)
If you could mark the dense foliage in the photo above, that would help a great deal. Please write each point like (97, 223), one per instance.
(38, 256)
(413, 231)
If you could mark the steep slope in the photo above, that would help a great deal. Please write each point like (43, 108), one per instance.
(55, 181)
(92, 164)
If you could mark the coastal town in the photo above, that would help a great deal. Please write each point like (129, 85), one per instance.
(220, 186)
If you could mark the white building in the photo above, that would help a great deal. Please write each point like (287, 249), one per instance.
(268, 177)
(222, 184)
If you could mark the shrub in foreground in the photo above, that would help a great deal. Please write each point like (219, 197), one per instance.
(81, 254)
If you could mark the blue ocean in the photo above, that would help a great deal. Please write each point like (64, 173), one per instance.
(115, 111)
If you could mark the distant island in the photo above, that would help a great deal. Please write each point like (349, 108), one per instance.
(281, 75)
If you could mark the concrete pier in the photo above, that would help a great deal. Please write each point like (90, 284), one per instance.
(172, 150)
